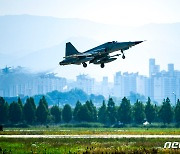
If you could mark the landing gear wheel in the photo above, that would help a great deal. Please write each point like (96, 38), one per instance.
(102, 65)
(84, 65)
(123, 56)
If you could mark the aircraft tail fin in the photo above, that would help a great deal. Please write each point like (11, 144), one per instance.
(70, 49)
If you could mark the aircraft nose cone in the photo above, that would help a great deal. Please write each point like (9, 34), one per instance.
(137, 42)
(61, 63)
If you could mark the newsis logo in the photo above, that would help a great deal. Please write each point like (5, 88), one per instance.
(172, 145)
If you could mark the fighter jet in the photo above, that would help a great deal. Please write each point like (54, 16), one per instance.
(98, 55)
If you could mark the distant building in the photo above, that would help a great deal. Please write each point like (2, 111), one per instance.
(49, 82)
(18, 82)
(165, 84)
(171, 69)
(118, 84)
(85, 83)
(124, 84)
(159, 85)
(142, 84)
(129, 83)
(153, 68)
(105, 88)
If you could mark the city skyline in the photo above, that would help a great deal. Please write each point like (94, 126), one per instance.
(159, 85)
(158, 67)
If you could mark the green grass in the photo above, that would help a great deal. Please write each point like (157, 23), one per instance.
(84, 145)
(68, 145)
(56, 130)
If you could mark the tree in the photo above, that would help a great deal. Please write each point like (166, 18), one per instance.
(56, 113)
(76, 110)
(42, 111)
(84, 114)
(102, 113)
(111, 111)
(29, 110)
(43, 99)
(20, 102)
(124, 111)
(67, 113)
(21, 106)
(156, 109)
(3, 110)
(177, 111)
(31, 99)
(149, 111)
(134, 96)
(92, 111)
(166, 112)
(139, 114)
(15, 112)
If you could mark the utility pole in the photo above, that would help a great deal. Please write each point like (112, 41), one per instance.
(58, 99)
(174, 97)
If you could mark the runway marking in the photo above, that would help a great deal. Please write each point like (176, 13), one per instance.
(90, 136)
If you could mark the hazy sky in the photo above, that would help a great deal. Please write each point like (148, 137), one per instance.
(116, 12)
(121, 12)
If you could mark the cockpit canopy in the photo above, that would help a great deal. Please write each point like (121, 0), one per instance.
(112, 42)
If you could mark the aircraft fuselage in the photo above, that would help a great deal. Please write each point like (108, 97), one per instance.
(97, 55)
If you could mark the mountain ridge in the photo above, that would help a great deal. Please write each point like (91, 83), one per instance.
(27, 38)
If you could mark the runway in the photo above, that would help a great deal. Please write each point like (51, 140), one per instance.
(90, 136)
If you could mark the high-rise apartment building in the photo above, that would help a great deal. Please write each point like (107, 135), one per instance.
(15, 82)
(118, 85)
(164, 84)
(124, 84)
(153, 68)
(85, 83)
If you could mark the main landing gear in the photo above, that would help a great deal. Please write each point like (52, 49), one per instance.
(123, 56)
(102, 65)
(84, 65)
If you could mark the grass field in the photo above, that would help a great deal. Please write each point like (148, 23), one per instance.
(68, 145)
(84, 145)
(42, 130)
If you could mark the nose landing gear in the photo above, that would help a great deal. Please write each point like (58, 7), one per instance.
(123, 56)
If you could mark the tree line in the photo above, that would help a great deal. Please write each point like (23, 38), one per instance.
(108, 114)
